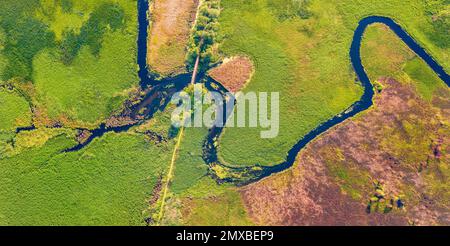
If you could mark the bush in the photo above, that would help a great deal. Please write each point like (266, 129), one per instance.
(91, 34)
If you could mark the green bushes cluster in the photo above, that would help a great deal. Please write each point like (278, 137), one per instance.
(381, 203)
(25, 37)
(66, 5)
(106, 16)
(204, 36)
(439, 15)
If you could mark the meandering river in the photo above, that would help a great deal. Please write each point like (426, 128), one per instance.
(210, 150)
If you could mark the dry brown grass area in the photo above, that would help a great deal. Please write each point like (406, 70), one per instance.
(171, 21)
(234, 73)
(403, 142)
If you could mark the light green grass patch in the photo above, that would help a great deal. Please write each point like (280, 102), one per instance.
(426, 81)
(189, 166)
(14, 111)
(3, 59)
(59, 19)
(208, 203)
(385, 55)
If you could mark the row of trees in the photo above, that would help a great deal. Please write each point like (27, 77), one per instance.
(203, 40)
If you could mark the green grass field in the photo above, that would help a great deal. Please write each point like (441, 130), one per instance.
(14, 111)
(207, 203)
(385, 55)
(307, 61)
(189, 166)
(108, 183)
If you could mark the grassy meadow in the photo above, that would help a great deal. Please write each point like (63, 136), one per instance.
(189, 166)
(14, 111)
(206, 203)
(304, 55)
(385, 55)
(107, 183)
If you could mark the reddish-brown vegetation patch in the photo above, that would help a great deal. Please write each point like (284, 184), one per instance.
(234, 73)
(156, 193)
(116, 121)
(402, 143)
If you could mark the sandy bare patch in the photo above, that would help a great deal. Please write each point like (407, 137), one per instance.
(402, 142)
(171, 21)
(233, 73)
